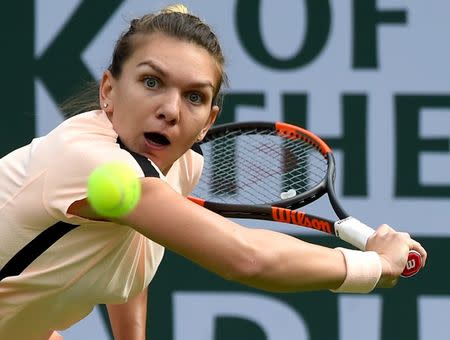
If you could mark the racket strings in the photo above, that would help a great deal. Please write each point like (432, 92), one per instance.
(258, 167)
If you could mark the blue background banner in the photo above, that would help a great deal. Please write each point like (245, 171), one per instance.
(371, 77)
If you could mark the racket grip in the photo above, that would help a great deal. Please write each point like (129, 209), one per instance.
(353, 231)
(357, 233)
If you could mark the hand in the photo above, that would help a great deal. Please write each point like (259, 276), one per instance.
(393, 248)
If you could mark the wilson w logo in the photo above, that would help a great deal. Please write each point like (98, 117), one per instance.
(411, 264)
(299, 218)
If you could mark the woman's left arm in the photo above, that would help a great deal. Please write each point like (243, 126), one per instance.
(128, 320)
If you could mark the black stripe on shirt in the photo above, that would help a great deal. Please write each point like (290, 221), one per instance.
(30, 252)
(196, 147)
(147, 168)
(35, 248)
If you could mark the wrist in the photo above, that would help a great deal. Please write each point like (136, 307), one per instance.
(363, 271)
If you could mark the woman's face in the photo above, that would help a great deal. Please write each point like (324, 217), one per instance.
(162, 102)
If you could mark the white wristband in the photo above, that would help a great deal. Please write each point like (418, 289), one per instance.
(363, 271)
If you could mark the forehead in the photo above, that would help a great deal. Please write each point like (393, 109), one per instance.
(174, 54)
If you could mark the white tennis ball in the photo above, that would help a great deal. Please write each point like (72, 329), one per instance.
(113, 189)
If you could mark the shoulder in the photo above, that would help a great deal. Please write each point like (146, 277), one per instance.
(83, 142)
(186, 171)
(85, 126)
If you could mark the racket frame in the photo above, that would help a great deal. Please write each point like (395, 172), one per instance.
(286, 210)
(283, 210)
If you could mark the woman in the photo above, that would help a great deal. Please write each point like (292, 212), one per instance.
(159, 96)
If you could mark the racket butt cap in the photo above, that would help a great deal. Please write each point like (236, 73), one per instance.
(413, 265)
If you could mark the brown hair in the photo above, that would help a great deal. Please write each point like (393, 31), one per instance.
(175, 21)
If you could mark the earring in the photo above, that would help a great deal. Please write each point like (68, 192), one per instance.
(105, 105)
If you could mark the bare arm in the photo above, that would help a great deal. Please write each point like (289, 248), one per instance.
(262, 259)
(259, 258)
(128, 320)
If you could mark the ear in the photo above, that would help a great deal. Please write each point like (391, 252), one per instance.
(211, 119)
(105, 92)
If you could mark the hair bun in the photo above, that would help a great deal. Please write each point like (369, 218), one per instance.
(177, 8)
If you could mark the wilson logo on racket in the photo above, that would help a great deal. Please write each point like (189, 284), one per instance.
(413, 264)
(299, 218)
(410, 264)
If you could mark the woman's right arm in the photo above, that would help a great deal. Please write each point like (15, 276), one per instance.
(259, 258)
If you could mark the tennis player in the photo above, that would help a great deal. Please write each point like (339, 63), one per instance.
(159, 96)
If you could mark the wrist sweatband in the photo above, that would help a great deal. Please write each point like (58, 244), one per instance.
(363, 271)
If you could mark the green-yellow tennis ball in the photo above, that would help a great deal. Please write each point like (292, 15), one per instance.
(113, 189)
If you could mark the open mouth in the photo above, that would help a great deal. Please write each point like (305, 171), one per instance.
(156, 138)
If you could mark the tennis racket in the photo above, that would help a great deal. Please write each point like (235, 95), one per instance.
(259, 170)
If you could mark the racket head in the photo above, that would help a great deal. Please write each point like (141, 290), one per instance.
(258, 164)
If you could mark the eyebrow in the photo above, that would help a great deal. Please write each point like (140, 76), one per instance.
(152, 65)
(158, 69)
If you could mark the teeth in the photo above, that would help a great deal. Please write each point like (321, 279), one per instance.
(156, 138)
(155, 143)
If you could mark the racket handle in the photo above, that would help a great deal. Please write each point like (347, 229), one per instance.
(357, 233)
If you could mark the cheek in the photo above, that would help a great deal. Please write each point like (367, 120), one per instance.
(197, 127)
(123, 103)
(125, 93)
(190, 137)
(122, 121)
(202, 117)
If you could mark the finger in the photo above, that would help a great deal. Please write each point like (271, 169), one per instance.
(407, 236)
(414, 245)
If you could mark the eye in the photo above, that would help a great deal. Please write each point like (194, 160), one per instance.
(151, 82)
(195, 97)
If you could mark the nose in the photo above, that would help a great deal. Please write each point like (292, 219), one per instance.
(169, 110)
